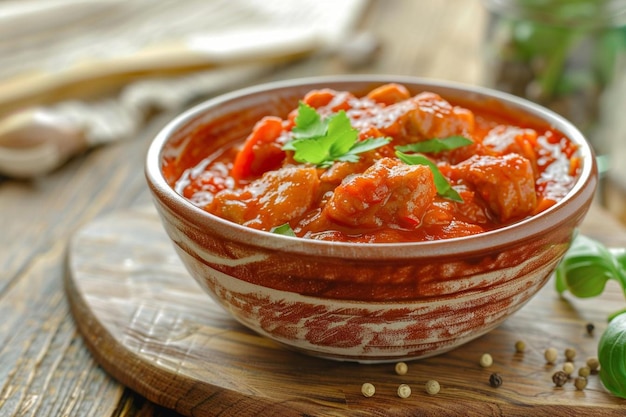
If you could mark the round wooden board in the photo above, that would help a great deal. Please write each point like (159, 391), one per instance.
(151, 327)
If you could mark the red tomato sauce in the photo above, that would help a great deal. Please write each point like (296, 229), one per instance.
(508, 173)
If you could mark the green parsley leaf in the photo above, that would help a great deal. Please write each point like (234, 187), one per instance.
(444, 188)
(284, 229)
(436, 145)
(340, 136)
(311, 150)
(367, 145)
(309, 123)
(323, 141)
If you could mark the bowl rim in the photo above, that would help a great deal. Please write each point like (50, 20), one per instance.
(578, 198)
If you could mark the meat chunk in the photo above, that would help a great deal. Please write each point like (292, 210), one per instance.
(388, 193)
(504, 139)
(434, 117)
(506, 183)
(425, 116)
(389, 94)
(272, 200)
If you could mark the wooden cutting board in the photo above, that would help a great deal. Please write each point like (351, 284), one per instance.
(150, 326)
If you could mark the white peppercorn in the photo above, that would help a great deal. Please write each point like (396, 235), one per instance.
(368, 389)
(432, 387)
(486, 360)
(584, 371)
(551, 355)
(401, 368)
(593, 364)
(404, 391)
(568, 368)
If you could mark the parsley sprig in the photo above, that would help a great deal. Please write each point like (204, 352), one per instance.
(324, 141)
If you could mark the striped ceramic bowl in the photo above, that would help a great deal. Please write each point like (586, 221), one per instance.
(359, 302)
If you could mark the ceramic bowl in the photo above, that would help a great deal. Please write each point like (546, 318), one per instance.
(358, 302)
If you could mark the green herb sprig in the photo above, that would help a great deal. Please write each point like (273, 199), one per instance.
(324, 141)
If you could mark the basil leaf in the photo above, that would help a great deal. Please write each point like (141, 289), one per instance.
(369, 144)
(436, 145)
(586, 268)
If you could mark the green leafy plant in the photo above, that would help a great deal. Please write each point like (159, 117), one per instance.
(612, 356)
(563, 58)
(324, 141)
(584, 271)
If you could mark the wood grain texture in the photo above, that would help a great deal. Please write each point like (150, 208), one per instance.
(151, 326)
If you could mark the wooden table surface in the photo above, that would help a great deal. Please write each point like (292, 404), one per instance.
(45, 367)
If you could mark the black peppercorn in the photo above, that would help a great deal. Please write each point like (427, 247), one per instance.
(495, 380)
(559, 378)
(590, 328)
